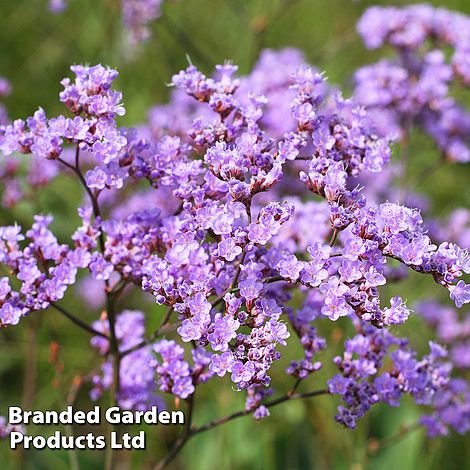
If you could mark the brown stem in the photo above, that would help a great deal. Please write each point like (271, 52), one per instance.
(375, 444)
(238, 414)
(166, 318)
(181, 441)
(333, 237)
(110, 456)
(78, 172)
(294, 387)
(114, 346)
(110, 298)
(94, 201)
(118, 289)
(78, 322)
(71, 397)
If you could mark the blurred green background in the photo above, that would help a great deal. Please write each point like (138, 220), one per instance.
(37, 47)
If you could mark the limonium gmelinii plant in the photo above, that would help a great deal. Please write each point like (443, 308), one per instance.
(248, 207)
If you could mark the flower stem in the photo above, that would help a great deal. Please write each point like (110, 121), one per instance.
(190, 432)
(78, 322)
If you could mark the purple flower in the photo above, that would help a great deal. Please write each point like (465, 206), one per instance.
(250, 288)
(336, 307)
(290, 268)
(242, 372)
(5, 288)
(460, 293)
(397, 313)
(9, 314)
(206, 207)
(28, 271)
(261, 412)
(224, 330)
(388, 389)
(351, 270)
(100, 268)
(278, 331)
(190, 330)
(374, 278)
(258, 233)
(228, 249)
(183, 387)
(221, 364)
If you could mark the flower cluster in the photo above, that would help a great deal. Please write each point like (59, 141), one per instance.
(44, 269)
(362, 382)
(449, 330)
(38, 171)
(136, 381)
(137, 15)
(175, 375)
(415, 88)
(450, 404)
(451, 409)
(237, 209)
(93, 128)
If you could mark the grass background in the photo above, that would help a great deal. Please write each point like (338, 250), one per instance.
(37, 47)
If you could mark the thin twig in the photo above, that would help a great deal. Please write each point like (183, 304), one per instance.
(114, 346)
(78, 172)
(188, 434)
(163, 329)
(110, 296)
(110, 299)
(377, 444)
(333, 237)
(117, 290)
(294, 387)
(238, 414)
(78, 322)
(166, 318)
(71, 397)
(181, 441)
